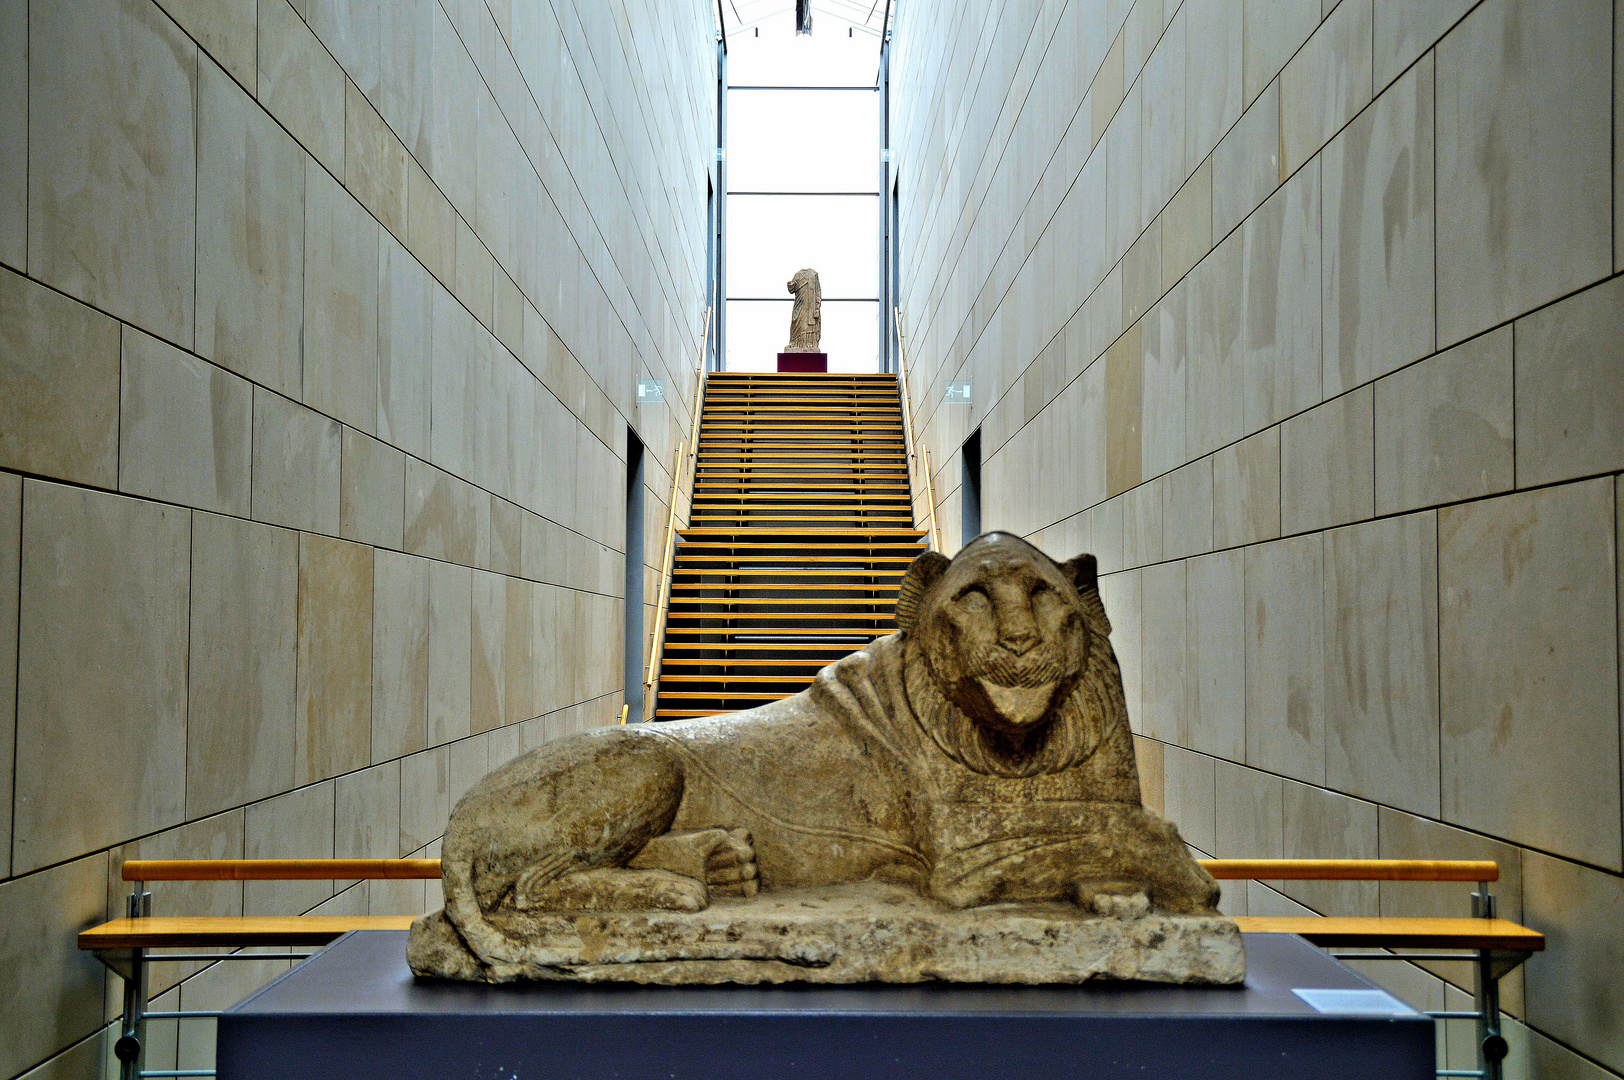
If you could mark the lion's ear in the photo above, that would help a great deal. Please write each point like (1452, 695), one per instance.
(922, 573)
(1084, 573)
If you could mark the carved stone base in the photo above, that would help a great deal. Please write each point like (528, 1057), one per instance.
(868, 932)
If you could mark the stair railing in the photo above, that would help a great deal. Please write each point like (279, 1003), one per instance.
(914, 457)
(687, 455)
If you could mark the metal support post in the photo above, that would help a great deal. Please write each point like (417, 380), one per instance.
(130, 1049)
(1491, 1044)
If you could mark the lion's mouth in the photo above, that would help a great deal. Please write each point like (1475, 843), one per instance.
(1019, 706)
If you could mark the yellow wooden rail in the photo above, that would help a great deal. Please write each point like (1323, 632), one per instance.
(686, 453)
(384, 869)
(908, 432)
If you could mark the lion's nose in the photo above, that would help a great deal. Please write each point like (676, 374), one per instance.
(1018, 640)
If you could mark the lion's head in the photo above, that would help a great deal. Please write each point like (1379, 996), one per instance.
(1008, 664)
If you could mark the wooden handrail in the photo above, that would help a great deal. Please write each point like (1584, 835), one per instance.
(387, 869)
(279, 869)
(688, 453)
(908, 431)
(1350, 870)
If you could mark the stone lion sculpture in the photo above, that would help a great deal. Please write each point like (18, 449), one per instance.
(806, 315)
(976, 761)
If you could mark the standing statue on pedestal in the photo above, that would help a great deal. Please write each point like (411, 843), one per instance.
(806, 318)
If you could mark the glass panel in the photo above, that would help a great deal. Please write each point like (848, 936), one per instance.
(758, 329)
(826, 57)
(803, 140)
(769, 237)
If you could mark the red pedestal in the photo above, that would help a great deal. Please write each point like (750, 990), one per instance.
(803, 361)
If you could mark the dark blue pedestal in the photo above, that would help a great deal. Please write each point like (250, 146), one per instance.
(355, 1010)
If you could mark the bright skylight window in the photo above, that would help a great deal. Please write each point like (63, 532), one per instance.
(803, 173)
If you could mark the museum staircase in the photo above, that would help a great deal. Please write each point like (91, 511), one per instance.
(800, 532)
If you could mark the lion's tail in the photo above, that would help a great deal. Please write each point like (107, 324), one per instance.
(489, 945)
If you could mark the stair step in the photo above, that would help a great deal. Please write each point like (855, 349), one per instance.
(800, 530)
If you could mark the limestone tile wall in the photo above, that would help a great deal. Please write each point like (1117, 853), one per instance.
(320, 324)
(1302, 316)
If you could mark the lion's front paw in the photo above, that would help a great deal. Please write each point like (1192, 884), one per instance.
(730, 868)
(724, 859)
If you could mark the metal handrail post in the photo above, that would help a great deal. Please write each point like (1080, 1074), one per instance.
(908, 431)
(687, 454)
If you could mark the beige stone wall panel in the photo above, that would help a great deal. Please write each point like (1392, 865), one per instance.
(250, 237)
(1444, 426)
(374, 162)
(425, 797)
(1164, 377)
(1190, 794)
(366, 813)
(1124, 390)
(11, 542)
(334, 701)
(1327, 464)
(1187, 225)
(1404, 29)
(224, 28)
(1325, 83)
(372, 491)
(1214, 75)
(400, 654)
(1526, 587)
(1142, 273)
(1142, 524)
(297, 825)
(1162, 601)
(450, 652)
(405, 336)
(14, 132)
(101, 682)
(1246, 490)
(1273, 31)
(1251, 813)
(1285, 668)
(1120, 595)
(297, 465)
(1381, 662)
(40, 918)
(1377, 180)
(1518, 93)
(185, 428)
(1322, 824)
(1569, 361)
(341, 303)
(1283, 340)
(489, 684)
(243, 663)
(1187, 510)
(112, 159)
(1161, 121)
(431, 227)
(58, 385)
(1246, 166)
(300, 83)
(1213, 351)
(1215, 665)
(1575, 994)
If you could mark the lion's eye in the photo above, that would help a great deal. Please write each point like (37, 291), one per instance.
(972, 594)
